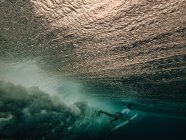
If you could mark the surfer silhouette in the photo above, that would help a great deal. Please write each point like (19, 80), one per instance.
(118, 115)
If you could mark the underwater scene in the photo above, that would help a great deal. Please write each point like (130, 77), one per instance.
(92, 70)
(38, 105)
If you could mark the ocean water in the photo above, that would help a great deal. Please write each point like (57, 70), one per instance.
(36, 105)
(155, 120)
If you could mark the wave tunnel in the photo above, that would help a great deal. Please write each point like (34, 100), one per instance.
(62, 62)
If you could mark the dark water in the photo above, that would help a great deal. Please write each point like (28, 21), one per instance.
(33, 113)
(151, 126)
(156, 119)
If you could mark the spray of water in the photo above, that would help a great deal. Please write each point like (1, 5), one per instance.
(31, 97)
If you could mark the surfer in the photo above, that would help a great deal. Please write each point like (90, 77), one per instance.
(118, 115)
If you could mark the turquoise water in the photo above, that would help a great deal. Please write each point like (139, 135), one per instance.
(155, 120)
(37, 105)
(72, 117)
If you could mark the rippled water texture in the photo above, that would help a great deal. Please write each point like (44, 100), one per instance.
(63, 60)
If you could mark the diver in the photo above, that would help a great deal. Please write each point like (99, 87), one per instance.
(118, 115)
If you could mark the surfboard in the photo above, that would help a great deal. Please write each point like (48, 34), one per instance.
(124, 123)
